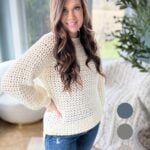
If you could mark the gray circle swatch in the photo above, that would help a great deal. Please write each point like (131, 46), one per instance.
(124, 147)
(124, 131)
(125, 110)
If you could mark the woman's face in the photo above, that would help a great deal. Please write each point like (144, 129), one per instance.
(72, 16)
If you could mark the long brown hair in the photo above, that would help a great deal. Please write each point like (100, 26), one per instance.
(64, 51)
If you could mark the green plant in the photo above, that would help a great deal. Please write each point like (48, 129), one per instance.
(134, 37)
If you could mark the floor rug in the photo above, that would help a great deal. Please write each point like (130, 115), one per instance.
(35, 143)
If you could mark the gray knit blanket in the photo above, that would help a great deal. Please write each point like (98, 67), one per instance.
(125, 84)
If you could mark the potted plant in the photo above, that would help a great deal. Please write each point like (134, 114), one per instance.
(134, 37)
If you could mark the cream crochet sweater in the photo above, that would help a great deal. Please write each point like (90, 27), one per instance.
(81, 109)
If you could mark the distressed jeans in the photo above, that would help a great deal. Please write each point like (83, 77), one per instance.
(82, 141)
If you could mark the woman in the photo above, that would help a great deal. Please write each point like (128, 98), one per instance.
(66, 62)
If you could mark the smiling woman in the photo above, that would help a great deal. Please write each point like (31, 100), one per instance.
(67, 63)
(72, 17)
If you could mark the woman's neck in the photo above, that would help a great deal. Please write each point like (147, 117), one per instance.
(74, 35)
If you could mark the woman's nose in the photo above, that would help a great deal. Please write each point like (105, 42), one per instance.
(71, 15)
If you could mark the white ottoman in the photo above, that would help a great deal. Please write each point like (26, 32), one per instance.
(13, 112)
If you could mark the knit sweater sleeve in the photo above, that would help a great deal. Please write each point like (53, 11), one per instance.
(18, 81)
(101, 89)
(101, 85)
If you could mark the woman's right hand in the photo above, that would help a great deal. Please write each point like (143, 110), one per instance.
(51, 107)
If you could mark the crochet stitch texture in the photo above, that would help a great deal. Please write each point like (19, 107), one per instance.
(81, 109)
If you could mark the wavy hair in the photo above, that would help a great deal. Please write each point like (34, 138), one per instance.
(64, 51)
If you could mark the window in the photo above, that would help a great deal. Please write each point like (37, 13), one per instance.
(103, 13)
(22, 23)
(37, 19)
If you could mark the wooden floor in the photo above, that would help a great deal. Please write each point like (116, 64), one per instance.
(16, 137)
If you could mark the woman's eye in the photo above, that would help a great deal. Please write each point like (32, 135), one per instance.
(77, 8)
(64, 11)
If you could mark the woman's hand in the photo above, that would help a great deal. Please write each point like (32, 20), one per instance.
(51, 107)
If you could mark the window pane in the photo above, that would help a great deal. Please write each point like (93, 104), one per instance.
(103, 13)
(37, 18)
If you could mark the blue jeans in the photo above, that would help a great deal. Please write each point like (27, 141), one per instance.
(82, 141)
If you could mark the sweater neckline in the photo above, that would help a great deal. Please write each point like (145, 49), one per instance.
(76, 40)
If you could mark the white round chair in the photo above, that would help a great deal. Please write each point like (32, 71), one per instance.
(11, 110)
